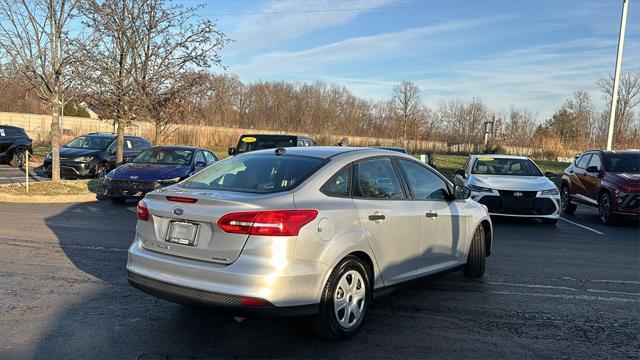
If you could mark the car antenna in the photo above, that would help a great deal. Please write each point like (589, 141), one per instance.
(280, 151)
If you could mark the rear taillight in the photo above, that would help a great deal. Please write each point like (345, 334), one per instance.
(267, 223)
(253, 302)
(143, 212)
(182, 199)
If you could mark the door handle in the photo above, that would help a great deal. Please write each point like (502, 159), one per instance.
(432, 214)
(376, 217)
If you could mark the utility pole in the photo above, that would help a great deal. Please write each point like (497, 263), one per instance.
(616, 76)
(487, 131)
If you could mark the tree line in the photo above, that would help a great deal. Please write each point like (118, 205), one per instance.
(151, 60)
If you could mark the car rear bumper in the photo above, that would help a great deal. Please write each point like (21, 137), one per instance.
(292, 283)
(198, 297)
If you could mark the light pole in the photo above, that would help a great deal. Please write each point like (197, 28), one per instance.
(616, 76)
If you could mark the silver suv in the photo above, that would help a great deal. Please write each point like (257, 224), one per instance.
(305, 231)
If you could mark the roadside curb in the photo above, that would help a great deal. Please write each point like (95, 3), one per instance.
(38, 199)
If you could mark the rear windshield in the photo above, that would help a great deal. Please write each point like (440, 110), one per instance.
(260, 173)
(505, 166)
(258, 142)
(165, 156)
(623, 162)
(90, 142)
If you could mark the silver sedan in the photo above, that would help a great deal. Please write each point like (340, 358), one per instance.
(305, 231)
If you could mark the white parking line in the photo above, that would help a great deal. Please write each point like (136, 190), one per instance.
(582, 226)
(570, 297)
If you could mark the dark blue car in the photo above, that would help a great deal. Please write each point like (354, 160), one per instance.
(154, 168)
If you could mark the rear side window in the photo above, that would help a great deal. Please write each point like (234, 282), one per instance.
(339, 185)
(377, 179)
(262, 173)
(583, 161)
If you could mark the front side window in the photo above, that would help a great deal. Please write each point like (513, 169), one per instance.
(595, 161)
(199, 158)
(165, 156)
(89, 142)
(505, 166)
(339, 185)
(377, 179)
(424, 184)
(261, 173)
(623, 162)
(210, 157)
(583, 160)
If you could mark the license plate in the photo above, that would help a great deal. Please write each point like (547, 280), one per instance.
(182, 233)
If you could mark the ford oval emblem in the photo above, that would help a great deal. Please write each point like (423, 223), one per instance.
(178, 211)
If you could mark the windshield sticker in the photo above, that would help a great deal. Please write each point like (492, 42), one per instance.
(249, 139)
(485, 159)
(2, 132)
(129, 146)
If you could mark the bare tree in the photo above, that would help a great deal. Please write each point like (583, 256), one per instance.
(406, 100)
(168, 41)
(628, 99)
(35, 36)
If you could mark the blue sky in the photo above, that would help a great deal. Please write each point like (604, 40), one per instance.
(530, 54)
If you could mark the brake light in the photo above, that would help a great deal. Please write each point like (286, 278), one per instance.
(253, 302)
(143, 211)
(181, 199)
(268, 223)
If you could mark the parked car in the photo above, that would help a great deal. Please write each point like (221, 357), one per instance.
(305, 231)
(94, 154)
(511, 186)
(251, 142)
(14, 141)
(609, 180)
(154, 168)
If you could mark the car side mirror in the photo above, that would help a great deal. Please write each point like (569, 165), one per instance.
(459, 172)
(231, 151)
(550, 174)
(461, 192)
(200, 164)
(593, 169)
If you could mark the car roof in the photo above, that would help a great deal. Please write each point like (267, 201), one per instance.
(630, 151)
(274, 135)
(10, 126)
(326, 152)
(500, 156)
(177, 147)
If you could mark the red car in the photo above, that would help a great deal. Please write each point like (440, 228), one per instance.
(607, 179)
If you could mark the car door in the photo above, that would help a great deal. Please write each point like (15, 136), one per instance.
(578, 177)
(444, 221)
(6, 139)
(591, 179)
(388, 218)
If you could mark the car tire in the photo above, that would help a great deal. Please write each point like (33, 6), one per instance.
(474, 268)
(100, 171)
(18, 159)
(346, 284)
(118, 200)
(565, 201)
(549, 221)
(605, 212)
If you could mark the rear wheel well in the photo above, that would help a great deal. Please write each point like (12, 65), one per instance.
(367, 260)
(486, 227)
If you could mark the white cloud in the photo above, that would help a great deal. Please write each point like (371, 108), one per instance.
(356, 50)
(280, 21)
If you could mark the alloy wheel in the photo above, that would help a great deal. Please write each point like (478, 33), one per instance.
(20, 159)
(564, 198)
(101, 171)
(349, 299)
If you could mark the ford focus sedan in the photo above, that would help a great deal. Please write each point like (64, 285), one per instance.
(305, 231)
(511, 186)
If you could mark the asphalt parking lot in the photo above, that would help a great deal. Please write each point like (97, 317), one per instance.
(11, 175)
(563, 291)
